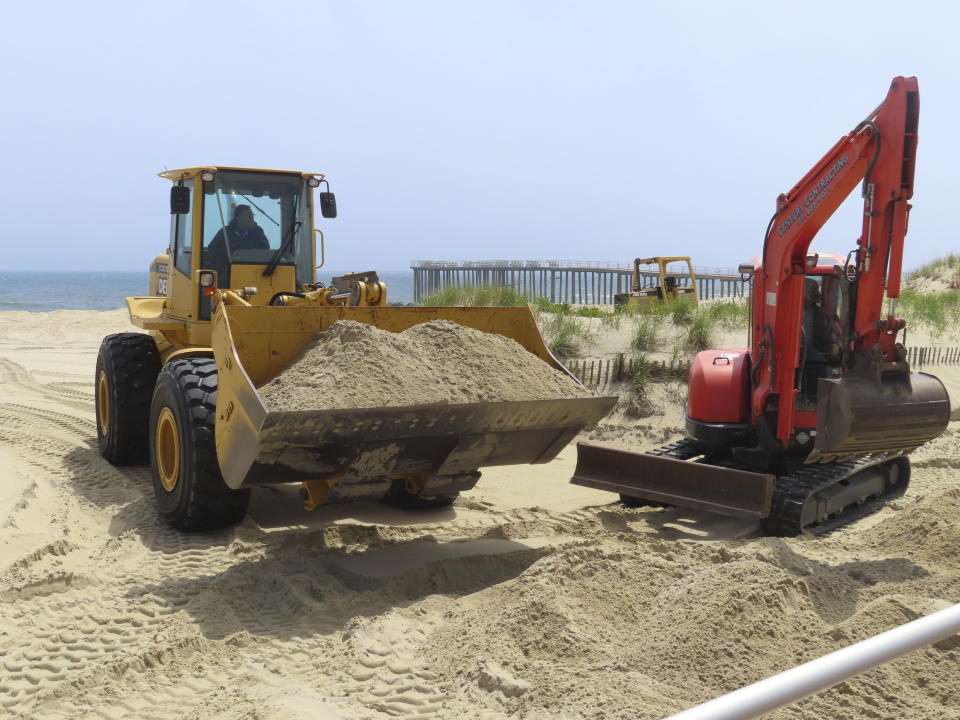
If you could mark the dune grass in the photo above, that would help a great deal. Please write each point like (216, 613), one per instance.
(588, 311)
(934, 311)
(946, 268)
(700, 332)
(729, 314)
(475, 296)
(646, 332)
(564, 334)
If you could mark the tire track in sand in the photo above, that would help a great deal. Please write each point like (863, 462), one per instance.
(15, 374)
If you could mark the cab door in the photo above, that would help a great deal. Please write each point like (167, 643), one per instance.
(181, 299)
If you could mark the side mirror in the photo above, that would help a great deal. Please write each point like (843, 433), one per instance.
(179, 200)
(328, 204)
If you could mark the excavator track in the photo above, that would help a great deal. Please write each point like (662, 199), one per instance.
(817, 494)
(680, 450)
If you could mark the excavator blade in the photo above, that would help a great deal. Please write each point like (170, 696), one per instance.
(674, 481)
(856, 417)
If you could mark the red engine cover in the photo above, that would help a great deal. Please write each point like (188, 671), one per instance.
(719, 390)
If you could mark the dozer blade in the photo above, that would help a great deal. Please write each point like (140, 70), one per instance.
(856, 417)
(660, 479)
(359, 451)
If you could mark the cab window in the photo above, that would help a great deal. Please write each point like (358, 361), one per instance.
(254, 218)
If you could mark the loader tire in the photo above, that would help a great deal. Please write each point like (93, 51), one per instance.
(127, 369)
(399, 496)
(190, 491)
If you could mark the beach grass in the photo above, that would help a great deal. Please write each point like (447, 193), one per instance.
(475, 296)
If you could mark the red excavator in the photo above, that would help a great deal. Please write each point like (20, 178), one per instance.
(819, 414)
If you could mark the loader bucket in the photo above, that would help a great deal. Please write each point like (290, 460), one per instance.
(359, 452)
(856, 416)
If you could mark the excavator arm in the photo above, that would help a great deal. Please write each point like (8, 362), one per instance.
(878, 153)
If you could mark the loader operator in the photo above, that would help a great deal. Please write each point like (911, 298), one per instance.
(242, 233)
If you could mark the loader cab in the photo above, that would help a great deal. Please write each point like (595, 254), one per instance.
(251, 228)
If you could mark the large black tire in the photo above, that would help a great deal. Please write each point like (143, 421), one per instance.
(190, 491)
(400, 496)
(127, 369)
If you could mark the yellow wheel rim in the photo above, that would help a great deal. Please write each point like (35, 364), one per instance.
(167, 444)
(103, 402)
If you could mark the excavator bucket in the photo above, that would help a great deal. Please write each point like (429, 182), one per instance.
(856, 416)
(359, 453)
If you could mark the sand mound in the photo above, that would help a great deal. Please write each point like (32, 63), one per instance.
(927, 532)
(935, 279)
(530, 598)
(355, 365)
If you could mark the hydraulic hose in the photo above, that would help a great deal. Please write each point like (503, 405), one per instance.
(273, 300)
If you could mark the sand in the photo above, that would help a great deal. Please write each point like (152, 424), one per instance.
(529, 598)
(355, 365)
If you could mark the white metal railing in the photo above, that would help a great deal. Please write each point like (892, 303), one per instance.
(791, 685)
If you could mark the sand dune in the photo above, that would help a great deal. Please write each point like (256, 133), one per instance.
(528, 599)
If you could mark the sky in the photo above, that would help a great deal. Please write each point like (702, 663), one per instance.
(463, 130)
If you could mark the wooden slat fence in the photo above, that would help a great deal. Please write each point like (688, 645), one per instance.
(926, 356)
(600, 373)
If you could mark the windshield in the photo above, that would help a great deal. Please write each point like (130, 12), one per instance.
(249, 216)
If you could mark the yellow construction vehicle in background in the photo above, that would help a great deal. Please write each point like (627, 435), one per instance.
(672, 283)
(232, 302)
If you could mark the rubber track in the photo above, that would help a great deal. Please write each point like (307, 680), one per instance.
(211, 504)
(792, 492)
(679, 450)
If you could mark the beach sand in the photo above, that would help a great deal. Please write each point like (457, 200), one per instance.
(529, 598)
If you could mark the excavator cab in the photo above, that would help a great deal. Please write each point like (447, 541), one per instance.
(824, 332)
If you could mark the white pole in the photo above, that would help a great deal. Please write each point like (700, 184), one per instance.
(791, 685)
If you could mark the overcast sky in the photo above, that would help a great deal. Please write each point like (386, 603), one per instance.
(463, 130)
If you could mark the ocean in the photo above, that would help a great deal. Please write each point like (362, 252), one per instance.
(80, 290)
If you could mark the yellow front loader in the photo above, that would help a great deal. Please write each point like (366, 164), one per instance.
(235, 300)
